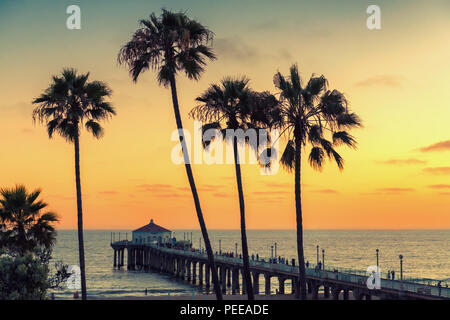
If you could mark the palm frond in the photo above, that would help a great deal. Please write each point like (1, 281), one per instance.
(288, 158)
(343, 137)
(316, 158)
(95, 128)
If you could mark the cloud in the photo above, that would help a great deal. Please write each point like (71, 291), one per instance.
(235, 49)
(262, 193)
(166, 189)
(440, 146)
(327, 191)
(438, 170)
(440, 186)
(402, 161)
(238, 50)
(387, 80)
(221, 195)
(155, 187)
(268, 25)
(108, 192)
(278, 185)
(395, 190)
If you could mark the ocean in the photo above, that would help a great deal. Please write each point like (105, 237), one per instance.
(426, 255)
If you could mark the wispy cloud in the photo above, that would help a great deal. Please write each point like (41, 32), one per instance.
(395, 190)
(278, 185)
(440, 186)
(386, 80)
(108, 192)
(439, 146)
(438, 170)
(235, 49)
(221, 195)
(238, 50)
(329, 191)
(263, 193)
(154, 187)
(402, 161)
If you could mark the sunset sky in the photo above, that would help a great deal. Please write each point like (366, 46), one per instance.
(397, 79)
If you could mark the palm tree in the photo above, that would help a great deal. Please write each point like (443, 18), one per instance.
(24, 227)
(170, 44)
(229, 106)
(66, 105)
(306, 114)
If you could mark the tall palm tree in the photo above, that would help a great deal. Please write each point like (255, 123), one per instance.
(229, 106)
(23, 226)
(306, 115)
(66, 105)
(170, 44)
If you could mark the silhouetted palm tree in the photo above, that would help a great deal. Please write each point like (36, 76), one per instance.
(229, 106)
(307, 113)
(23, 226)
(66, 105)
(170, 44)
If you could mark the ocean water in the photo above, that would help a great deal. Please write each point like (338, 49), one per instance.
(426, 255)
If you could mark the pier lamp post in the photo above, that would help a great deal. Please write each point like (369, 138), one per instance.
(220, 246)
(323, 259)
(377, 258)
(276, 251)
(236, 248)
(401, 267)
(272, 253)
(317, 254)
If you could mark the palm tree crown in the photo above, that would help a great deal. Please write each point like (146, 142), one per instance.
(71, 101)
(232, 104)
(307, 113)
(23, 225)
(170, 43)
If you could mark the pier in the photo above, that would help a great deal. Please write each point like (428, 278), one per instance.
(192, 266)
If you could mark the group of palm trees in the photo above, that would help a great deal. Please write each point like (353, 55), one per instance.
(171, 44)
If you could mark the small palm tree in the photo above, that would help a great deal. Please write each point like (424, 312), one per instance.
(24, 227)
(66, 105)
(229, 106)
(306, 114)
(170, 44)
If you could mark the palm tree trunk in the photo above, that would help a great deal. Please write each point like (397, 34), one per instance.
(187, 164)
(80, 217)
(247, 278)
(298, 207)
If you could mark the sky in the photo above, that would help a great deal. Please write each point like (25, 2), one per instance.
(395, 78)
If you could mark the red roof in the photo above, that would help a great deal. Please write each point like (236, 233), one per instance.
(151, 227)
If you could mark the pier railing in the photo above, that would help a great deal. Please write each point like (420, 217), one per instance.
(351, 276)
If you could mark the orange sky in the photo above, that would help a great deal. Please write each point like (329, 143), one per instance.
(396, 79)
